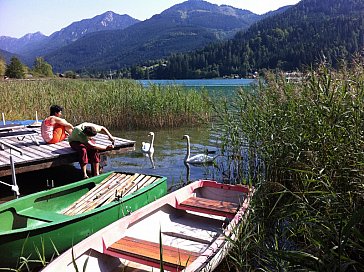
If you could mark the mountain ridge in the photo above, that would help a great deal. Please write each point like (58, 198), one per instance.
(303, 35)
(181, 28)
(37, 45)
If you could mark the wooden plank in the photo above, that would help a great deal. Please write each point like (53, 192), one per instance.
(16, 156)
(18, 133)
(207, 205)
(21, 135)
(94, 194)
(10, 127)
(128, 182)
(100, 197)
(150, 251)
(143, 183)
(133, 183)
(111, 192)
(90, 193)
(26, 149)
(40, 151)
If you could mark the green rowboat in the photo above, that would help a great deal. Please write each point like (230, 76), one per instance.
(38, 226)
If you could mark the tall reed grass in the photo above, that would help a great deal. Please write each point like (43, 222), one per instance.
(303, 146)
(122, 104)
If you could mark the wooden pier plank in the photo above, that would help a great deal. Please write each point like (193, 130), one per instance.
(49, 155)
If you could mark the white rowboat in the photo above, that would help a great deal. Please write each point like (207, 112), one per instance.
(195, 225)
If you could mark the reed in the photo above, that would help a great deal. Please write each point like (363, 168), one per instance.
(302, 147)
(116, 104)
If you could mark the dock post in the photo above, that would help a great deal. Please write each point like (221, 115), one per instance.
(15, 187)
(3, 118)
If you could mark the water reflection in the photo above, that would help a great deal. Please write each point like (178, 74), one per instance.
(169, 154)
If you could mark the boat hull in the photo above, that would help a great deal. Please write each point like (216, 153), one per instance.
(188, 228)
(33, 227)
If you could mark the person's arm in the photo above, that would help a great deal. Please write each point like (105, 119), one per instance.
(107, 132)
(99, 147)
(62, 122)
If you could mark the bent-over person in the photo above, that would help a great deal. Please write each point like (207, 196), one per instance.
(82, 141)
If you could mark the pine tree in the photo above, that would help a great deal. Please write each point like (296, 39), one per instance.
(15, 68)
(2, 66)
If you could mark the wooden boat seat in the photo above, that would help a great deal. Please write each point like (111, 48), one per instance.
(209, 206)
(42, 214)
(150, 252)
(20, 135)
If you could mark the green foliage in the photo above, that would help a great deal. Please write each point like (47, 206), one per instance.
(2, 66)
(301, 36)
(70, 74)
(15, 69)
(42, 68)
(305, 146)
(114, 103)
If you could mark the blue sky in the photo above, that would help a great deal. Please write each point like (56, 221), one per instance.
(19, 17)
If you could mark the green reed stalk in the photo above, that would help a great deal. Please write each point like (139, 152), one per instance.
(122, 104)
(303, 149)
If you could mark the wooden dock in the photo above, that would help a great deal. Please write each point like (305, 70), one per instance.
(36, 157)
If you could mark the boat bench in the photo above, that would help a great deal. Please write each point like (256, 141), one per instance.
(43, 215)
(147, 252)
(209, 206)
(20, 135)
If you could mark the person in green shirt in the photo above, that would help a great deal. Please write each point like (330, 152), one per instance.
(81, 140)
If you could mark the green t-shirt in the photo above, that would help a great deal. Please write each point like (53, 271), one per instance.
(77, 134)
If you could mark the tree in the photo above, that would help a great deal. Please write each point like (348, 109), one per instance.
(2, 66)
(15, 68)
(42, 68)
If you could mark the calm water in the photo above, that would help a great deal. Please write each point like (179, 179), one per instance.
(208, 83)
(170, 150)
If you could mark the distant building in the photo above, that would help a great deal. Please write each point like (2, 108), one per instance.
(293, 77)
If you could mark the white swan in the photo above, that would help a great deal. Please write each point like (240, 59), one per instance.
(148, 148)
(197, 159)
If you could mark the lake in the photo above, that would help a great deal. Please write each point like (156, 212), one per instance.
(170, 149)
(196, 83)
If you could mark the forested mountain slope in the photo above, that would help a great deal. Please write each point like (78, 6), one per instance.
(181, 28)
(304, 34)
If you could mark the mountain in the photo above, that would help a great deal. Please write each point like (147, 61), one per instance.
(33, 45)
(7, 55)
(15, 45)
(310, 31)
(181, 28)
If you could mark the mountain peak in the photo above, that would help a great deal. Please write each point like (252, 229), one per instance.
(32, 36)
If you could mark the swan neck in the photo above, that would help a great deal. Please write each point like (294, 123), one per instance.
(188, 149)
(151, 143)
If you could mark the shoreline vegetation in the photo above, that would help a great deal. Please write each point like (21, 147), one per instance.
(116, 104)
(304, 147)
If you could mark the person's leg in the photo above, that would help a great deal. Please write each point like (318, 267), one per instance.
(96, 167)
(82, 156)
(94, 158)
(59, 134)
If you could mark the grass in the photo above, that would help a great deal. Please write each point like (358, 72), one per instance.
(302, 147)
(116, 104)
